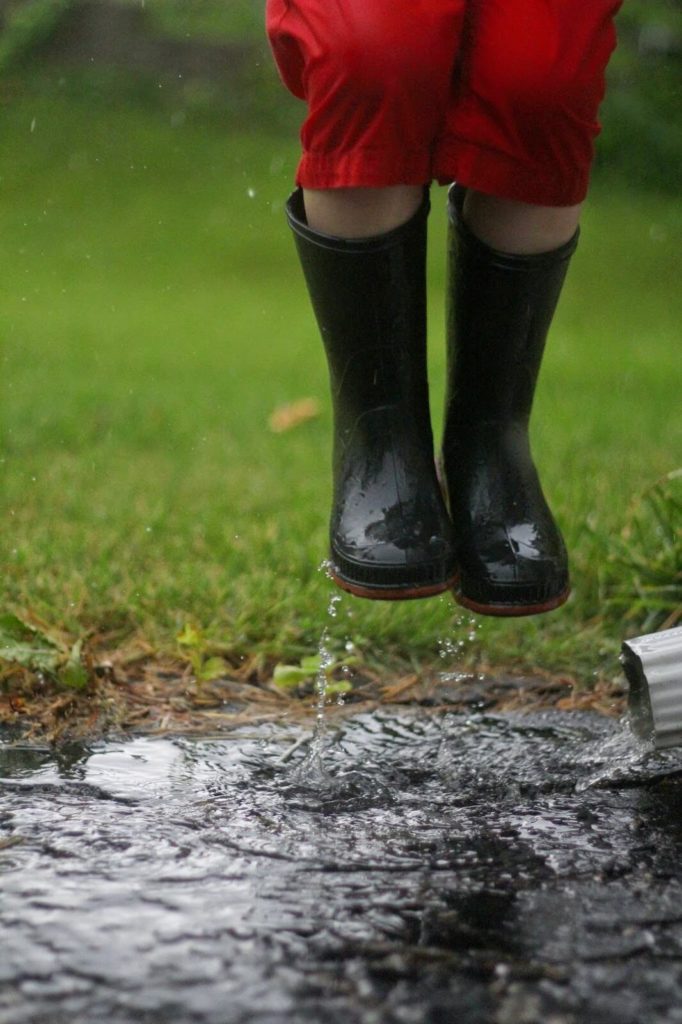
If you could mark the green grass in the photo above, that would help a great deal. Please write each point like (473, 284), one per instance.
(153, 316)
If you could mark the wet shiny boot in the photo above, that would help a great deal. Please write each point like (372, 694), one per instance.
(511, 555)
(390, 535)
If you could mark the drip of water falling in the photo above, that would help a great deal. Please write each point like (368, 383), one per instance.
(326, 660)
(452, 647)
(313, 769)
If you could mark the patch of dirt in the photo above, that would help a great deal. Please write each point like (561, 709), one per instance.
(134, 692)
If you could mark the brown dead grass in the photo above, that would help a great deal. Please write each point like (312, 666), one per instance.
(134, 691)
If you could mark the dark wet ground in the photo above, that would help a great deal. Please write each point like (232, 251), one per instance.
(482, 869)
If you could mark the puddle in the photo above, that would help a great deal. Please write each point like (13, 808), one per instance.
(440, 868)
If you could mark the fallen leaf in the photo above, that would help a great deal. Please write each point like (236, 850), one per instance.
(286, 417)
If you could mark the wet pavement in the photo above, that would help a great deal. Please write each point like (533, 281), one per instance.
(440, 868)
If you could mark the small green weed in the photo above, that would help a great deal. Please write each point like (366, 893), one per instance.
(291, 677)
(194, 649)
(22, 643)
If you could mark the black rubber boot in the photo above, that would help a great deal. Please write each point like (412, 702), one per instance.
(390, 534)
(511, 555)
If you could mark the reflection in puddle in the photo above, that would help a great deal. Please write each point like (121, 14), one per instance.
(439, 868)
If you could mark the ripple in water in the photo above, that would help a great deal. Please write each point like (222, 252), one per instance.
(502, 868)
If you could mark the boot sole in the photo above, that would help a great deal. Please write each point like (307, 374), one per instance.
(511, 610)
(393, 593)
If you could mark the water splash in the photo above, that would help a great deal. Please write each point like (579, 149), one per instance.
(194, 875)
(325, 566)
(615, 758)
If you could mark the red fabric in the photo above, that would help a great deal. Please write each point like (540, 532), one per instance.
(499, 95)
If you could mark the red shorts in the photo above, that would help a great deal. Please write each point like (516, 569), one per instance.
(499, 95)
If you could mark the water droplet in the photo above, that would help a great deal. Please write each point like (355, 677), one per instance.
(326, 567)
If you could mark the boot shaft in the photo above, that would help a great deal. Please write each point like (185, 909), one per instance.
(499, 310)
(369, 299)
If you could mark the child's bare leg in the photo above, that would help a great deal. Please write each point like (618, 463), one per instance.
(361, 212)
(503, 224)
(519, 228)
